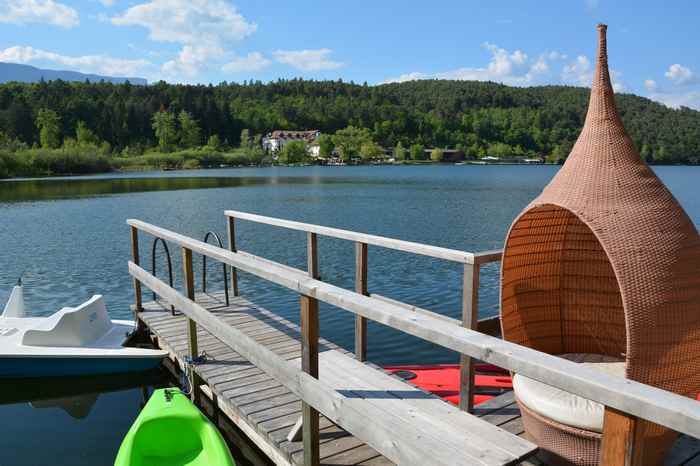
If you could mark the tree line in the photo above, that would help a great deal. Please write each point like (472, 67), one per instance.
(476, 118)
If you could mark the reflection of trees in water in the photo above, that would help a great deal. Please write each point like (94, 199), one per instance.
(47, 189)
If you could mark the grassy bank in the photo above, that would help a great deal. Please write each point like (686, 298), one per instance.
(72, 161)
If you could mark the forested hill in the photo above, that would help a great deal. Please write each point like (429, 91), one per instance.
(478, 117)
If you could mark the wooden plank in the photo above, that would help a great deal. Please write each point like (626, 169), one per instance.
(361, 287)
(188, 274)
(623, 441)
(390, 243)
(484, 257)
(670, 410)
(312, 255)
(464, 429)
(470, 317)
(309, 364)
(231, 224)
(488, 325)
(260, 395)
(277, 411)
(136, 260)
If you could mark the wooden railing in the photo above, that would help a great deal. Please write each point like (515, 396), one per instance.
(472, 263)
(625, 400)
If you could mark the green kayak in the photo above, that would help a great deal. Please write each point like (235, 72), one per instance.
(171, 431)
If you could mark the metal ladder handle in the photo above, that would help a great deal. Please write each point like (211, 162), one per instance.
(170, 264)
(204, 266)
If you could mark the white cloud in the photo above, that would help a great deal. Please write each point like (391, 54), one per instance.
(689, 99)
(580, 72)
(679, 74)
(204, 28)
(307, 60)
(651, 85)
(416, 75)
(38, 11)
(683, 92)
(254, 61)
(86, 63)
(514, 68)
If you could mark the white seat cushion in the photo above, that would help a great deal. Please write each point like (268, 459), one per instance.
(564, 407)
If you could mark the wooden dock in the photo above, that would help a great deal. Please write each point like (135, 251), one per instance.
(266, 411)
(260, 406)
(267, 374)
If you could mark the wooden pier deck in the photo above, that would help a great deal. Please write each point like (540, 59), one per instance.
(260, 406)
(266, 411)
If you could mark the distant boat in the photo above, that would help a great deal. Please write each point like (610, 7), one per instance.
(72, 341)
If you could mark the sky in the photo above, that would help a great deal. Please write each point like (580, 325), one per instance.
(653, 46)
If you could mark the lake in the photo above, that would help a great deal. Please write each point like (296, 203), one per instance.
(68, 238)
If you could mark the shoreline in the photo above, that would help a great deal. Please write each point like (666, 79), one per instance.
(183, 169)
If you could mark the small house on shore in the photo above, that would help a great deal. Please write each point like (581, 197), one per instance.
(275, 140)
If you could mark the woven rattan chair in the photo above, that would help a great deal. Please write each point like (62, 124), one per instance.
(605, 261)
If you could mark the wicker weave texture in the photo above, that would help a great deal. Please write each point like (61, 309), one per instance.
(561, 445)
(606, 260)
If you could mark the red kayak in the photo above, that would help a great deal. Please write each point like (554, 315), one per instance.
(443, 380)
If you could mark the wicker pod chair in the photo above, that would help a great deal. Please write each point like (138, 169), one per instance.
(604, 263)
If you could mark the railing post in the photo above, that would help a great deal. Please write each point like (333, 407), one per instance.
(309, 364)
(361, 287)
(312, 255)
(470, 320)
(135, 259)
(622, 439)
(188, 274)
(232, 248)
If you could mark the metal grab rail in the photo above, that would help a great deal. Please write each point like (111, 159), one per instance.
(204, 266)
(170, 264)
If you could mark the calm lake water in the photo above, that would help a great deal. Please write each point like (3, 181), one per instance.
(69, 239)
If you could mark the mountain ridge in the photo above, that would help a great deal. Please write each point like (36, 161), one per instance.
(17, 72)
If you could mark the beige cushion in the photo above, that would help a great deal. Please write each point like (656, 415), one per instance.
(561, 406)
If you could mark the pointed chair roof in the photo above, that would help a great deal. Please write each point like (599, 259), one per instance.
(606, 235)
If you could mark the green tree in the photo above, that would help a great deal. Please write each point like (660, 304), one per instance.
(214, 142)
(165, 129)
(371, 150)
(436, 155)
(417, 152)
(399, 151)
(325, 145)
(501, 149)
(349, 141)
(84, 136)
(293, 152)
(190, 134)
(245, 138)
(256, 152)
(48, 123)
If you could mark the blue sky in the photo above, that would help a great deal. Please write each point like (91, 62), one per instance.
(653, 46)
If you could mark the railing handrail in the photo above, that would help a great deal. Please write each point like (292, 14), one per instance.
(676, 412)
(454, 255)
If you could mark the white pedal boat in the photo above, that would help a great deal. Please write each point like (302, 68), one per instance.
(72, 341)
